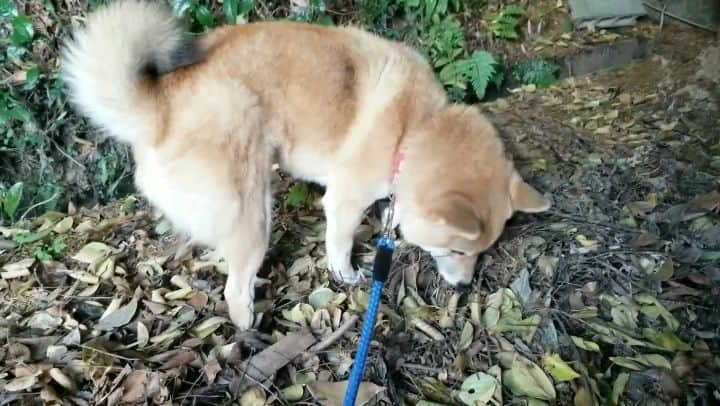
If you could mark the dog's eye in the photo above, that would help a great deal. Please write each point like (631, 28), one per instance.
(456, 252)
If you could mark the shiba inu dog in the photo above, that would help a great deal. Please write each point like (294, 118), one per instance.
(206, 120)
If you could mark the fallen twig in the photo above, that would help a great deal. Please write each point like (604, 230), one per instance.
(434, 371)
(264, 365)
(36, 205)
(335, 335)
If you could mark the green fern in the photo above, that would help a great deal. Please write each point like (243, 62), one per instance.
(539, 71)
(445, 42)
(435, 9)
(478, 70)
(506, 22)
(514, 10)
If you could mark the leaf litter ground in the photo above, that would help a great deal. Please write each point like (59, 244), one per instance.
(610, 298)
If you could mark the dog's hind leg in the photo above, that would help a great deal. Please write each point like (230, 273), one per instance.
(244, 250)
(247, 234)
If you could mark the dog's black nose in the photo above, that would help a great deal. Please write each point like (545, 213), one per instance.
(463, 287)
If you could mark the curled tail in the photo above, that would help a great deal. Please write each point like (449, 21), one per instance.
(111, 66)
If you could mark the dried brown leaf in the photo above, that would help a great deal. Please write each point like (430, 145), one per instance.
(62, 379)
(134, 386)
(118, 317)
(181, 358)
(211, 370)
(333, 393)
(21, 384)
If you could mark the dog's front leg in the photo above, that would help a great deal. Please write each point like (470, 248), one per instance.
(343, 213)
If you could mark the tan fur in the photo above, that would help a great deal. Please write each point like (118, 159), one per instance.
(334, 105)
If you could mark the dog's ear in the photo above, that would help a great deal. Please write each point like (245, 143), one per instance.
(456, 212)
(525, 198)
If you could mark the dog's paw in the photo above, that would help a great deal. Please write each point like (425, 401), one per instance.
(348, 277)
(241, 313)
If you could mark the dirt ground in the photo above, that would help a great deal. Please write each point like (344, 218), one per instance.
(620, 281)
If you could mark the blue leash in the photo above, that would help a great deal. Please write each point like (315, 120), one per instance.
(381, 269)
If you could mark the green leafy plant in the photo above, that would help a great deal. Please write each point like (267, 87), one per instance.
(417, 16)
(129, 205)
(196, 15)
(505, 23)
(204, 17)
(428, 12)
(45, 254)
(11, 199)
(445, 42)
(237, 11)
(313, 12)
(538, 71)
(475, 4)
(297, 195)
(32, 78)
(112, 170)
(7, 9)
(22, 35)
(437, 9)
(31, 237)
(377, 15)
(432, 25)
(11, 112)
(23, 31)
(479, 70)
(199, 15)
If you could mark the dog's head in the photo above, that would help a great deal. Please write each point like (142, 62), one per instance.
(458, 189)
